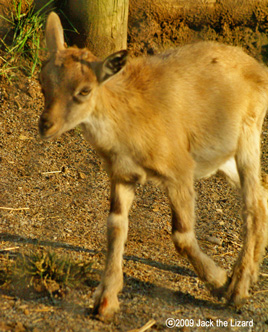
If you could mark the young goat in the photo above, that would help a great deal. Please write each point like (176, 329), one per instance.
(174, 117)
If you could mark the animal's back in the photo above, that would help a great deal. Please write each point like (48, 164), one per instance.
(196, 79)
(203, 90)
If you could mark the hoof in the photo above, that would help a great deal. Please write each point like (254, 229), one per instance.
(237, 292)
(237, 300)
(220, 292)
(105, 307)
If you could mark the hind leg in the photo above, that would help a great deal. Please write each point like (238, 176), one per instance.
(254, 215)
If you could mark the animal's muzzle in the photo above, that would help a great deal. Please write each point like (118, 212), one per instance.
(45, 124)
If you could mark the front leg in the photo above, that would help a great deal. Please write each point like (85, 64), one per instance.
(105, 297)
(182, 199)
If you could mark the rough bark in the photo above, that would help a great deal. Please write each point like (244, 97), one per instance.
(102, 24)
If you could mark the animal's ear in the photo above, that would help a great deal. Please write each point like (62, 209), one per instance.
(111, 65)
(54, 33)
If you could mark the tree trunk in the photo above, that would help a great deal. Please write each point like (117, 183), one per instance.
(102, 24)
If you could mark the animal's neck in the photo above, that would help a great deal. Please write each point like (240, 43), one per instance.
(117, 121)
(102, 127)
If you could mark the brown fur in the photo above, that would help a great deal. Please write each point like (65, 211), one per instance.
(173, 118)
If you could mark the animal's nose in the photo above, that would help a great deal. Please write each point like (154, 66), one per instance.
(44, 124)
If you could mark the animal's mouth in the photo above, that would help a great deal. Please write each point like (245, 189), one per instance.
(48, 133)
(48, 137)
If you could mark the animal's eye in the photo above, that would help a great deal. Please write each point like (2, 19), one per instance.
(84, 92)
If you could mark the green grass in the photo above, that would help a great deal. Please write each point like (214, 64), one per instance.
(44, 271)
(27, 27)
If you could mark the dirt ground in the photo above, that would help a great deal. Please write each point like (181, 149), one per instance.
(59, 195)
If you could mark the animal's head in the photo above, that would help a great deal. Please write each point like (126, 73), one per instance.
(70, 80)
